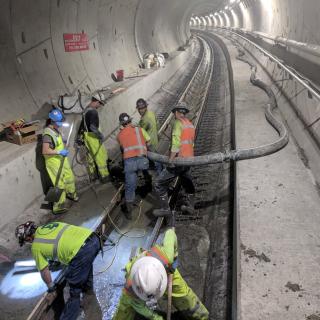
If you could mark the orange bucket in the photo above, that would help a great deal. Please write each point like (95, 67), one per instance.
(120, 75)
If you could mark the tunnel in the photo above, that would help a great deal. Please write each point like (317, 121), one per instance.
(248, 71)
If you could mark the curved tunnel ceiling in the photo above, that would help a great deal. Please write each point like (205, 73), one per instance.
(35, 67)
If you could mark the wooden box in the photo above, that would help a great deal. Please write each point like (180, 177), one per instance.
(22, 135)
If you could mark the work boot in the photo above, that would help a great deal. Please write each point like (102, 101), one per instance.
(59, 210)
(189, 206)
(164, 210)
(128, 210)
(73, 197)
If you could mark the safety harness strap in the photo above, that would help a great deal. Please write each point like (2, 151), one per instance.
(155, 252)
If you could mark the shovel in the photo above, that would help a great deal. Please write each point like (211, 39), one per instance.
(55, 192)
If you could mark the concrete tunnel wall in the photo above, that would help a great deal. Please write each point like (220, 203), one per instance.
(293, 19)
(35, 67)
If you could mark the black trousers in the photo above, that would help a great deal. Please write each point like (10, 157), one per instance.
(167, 175)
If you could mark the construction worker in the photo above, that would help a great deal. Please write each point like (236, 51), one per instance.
(148, 122)
(53, 150)
(146, 282)
(97, 156)
(183, 135)
(133, 143)
(70, 245)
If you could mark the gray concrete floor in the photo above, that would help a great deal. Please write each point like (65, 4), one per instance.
(279, 218)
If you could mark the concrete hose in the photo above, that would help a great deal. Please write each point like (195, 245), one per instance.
(244, 154)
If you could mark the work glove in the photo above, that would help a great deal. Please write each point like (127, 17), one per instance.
(63, 152)
(52, 287)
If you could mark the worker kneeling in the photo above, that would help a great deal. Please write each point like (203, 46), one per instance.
(147, 279)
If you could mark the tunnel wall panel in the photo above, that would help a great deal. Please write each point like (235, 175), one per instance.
(116, 36)
(64, 20)
(91, 59)
(13, 91)
(40, 73)
(30, 27)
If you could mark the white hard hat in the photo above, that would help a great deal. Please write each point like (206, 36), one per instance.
(149, 278)
(99, 96)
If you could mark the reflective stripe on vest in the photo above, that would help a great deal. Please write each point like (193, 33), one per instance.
(54, 241)
(186, 142)
(187, 138)
(128, 287)
(136, 150)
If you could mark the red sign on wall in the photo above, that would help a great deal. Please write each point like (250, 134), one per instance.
(75, 42)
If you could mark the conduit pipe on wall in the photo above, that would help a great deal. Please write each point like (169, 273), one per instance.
(244, 154)
(311, 49)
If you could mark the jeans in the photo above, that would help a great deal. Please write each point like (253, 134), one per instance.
(80, 277)
(131, 167)
(167, 175)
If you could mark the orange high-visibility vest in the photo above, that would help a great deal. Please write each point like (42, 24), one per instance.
(186, 139)
(132, 142)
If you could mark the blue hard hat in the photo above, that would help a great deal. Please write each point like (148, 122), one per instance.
(56, 115)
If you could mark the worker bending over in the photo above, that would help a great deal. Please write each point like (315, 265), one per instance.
(53, 150)
(146, 283)
(133, 143)
(182, 142)
(148, 122)
(97, 156)
(73, 246)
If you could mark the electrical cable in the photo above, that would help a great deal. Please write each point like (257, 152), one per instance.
(117, 229)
